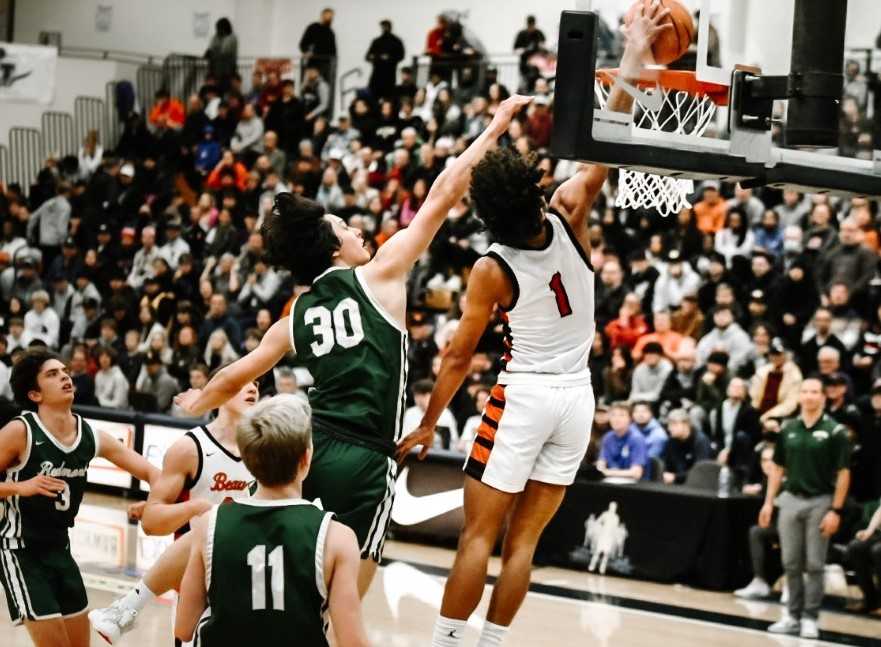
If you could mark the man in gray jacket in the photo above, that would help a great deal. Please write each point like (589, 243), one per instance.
(48, 225)
(725, 336)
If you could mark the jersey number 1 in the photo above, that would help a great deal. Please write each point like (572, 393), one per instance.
(559, 291)
(258, 563)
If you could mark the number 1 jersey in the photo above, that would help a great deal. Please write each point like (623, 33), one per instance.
(549, 327)
(357, 354)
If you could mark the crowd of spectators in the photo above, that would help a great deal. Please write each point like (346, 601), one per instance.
(144, 264)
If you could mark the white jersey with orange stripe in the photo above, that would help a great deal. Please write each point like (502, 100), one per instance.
(549, 327)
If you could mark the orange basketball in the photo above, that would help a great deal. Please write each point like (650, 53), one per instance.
(671, 43)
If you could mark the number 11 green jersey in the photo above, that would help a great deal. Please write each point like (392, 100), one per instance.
(357, 354)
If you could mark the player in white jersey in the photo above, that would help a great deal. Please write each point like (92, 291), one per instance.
(201, 469)
(536, 424)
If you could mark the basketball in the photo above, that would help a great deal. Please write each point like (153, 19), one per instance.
(671, 43)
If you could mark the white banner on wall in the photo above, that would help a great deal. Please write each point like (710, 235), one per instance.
(27, 73)
(102, 471)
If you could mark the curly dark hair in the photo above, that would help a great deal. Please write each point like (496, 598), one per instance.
(298, 237)
(504, 188)
(24, 375)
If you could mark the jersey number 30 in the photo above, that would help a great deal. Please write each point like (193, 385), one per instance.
(342, 327)
(559, 291)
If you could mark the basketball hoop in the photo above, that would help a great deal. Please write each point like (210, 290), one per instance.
(687, 108)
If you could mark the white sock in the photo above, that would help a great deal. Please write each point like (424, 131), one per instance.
(447, 632)
(138, 597)
(492, 635)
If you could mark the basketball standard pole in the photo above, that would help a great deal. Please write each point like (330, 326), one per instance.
(816, 73)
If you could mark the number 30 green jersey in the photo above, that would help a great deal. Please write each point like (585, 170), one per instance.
(357, 354)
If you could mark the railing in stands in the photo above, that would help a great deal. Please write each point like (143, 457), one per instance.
(507, 67)
(4, 164)
(148, 80)
(26, 154)
(90, 114)
(59, 134)
(135, 58)
(346, 89)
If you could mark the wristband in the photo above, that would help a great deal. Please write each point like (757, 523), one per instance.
(837, 511)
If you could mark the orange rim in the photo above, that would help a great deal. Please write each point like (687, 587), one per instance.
(678, 80)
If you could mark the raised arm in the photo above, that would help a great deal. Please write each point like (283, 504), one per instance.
(575, 196)
(396, 258)
(487, 286)
(276, 343)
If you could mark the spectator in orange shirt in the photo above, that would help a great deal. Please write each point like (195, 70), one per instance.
(629, 326)
(168, 108)
(664, 334)
(228, 172)
(711, 210)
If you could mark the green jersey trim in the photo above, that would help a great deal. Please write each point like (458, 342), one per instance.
(272, 503)
(26, 456)
(67, 449)
(320, 581)
(209, 545)
(389, 319)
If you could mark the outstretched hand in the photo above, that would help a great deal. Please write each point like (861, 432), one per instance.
(507, 110)
(188, 399)
(420, 436)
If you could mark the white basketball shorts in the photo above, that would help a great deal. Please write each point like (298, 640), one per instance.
(531, 432)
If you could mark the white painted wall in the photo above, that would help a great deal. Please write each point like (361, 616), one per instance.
(73, 78)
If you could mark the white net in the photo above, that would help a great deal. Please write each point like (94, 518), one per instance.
(681, 113)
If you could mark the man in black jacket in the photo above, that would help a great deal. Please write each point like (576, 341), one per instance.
(318, 45)
(735, 429)
(385, 53)
(686, 447)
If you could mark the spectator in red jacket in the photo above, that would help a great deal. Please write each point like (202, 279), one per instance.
(629, 326)
(540, 123)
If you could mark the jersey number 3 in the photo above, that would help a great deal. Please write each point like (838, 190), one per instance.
(343, 326)
(559, 291)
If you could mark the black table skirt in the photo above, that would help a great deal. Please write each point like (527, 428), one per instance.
(674, 534)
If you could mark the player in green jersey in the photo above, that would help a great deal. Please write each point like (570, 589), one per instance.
(44, 456)
(349, 331)
(270, 568)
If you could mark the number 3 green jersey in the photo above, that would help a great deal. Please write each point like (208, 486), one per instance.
(41, 520)
(357, 354)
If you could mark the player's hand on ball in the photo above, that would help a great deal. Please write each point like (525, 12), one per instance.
(422, 435)
(187, 400)
(646, 26)
(41, 486)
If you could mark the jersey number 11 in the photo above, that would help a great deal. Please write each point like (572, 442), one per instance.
(258, 563)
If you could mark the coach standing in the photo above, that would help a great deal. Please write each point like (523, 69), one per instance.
(812, 454)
